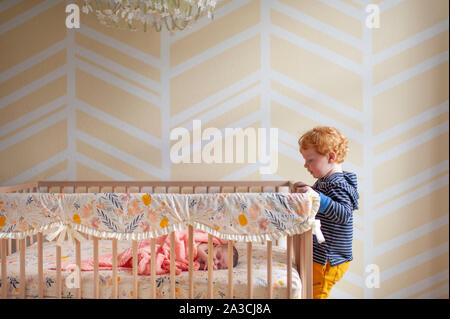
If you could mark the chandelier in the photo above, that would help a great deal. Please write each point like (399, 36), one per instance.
(128, 14)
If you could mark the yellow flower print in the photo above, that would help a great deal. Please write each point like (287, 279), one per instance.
(164, 222)
(76, 218)
(281, 283)
(2, 221)
(217, 228)
(147, 199)
(242, 220)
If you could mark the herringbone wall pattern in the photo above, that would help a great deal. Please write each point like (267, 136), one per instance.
(99, 104)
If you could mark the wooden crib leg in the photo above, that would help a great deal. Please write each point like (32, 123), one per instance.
(210, 267)
(153, 266)
(135, 269)
(172, 265)
(3, 243)
(289, 266)
(230, 269)
(191, 262)
(249, 271)
(115, 280)
(22, 268)
(269, 269)
(40, 266)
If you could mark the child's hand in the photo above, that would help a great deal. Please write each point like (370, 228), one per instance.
(301, 187)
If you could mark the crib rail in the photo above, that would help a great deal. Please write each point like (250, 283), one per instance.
(299, 247)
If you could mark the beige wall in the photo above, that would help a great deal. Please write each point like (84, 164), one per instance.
(99, 104)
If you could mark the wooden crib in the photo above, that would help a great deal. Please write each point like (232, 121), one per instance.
(298, 247)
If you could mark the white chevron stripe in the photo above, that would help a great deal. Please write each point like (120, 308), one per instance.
(119, 154)
(165, 99)
(32, 116)
(102, 169)
(305, 111)
(317, 50)
(337, 293)
(225, 107)
(212, 99)
(410, 144)
(413, 262)
(242, 123)
(318, 25)
(410, 236)
(118, 82)
(119, 124)
(6, 4)
(410, 73)
(388, 4)
(119, 69)
(409, 183)
(409, 43)
(120, 46)
(345, 8)
(38, 169)
(410, 197)
(411, 123)
(436, 293)
(242, 173)
(27, 15)
(316, 95)
(215, 50)
(61, 176)
(289, 151)
(33, 86)
(30, 62)
(419, 286)
(32, 130)
(205, 21)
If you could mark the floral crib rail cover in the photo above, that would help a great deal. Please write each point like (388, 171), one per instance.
(244, 217)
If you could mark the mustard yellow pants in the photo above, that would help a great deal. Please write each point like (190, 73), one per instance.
(325, 277)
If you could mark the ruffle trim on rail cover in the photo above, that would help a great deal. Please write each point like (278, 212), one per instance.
(251, 217)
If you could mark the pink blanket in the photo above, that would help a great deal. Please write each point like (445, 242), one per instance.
(125, 259)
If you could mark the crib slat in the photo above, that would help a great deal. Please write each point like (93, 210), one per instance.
(9, 246)
(172, 265)
(3, 242)
(58, 272)
(135, 269)
(78, 262)
(249, 271)
(210, 267)
(40, 266)
(191, 262)
(114, 269)
(269, 269)
(22, 268)
(230, 269)
(153, 266)
(96, 278)
(289, 265)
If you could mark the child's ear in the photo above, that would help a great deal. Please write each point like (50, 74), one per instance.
(331, 157)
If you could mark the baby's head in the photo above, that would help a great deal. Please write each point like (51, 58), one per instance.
(220, 257)
(323, 148)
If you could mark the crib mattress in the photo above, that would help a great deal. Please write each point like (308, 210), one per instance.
(125, 277)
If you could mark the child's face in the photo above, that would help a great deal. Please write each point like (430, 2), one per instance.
(317, 165)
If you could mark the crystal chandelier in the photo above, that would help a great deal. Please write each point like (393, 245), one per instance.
(173, 14)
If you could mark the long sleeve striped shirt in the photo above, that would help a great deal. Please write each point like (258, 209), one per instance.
(338, 199)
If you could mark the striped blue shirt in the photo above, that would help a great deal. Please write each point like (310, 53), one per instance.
(338, 199)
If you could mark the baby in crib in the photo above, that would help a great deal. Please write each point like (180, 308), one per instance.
(220, 256)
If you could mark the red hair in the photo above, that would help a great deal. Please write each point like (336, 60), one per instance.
(324, 140)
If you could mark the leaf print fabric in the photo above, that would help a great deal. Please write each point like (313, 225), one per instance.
(229, 216)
